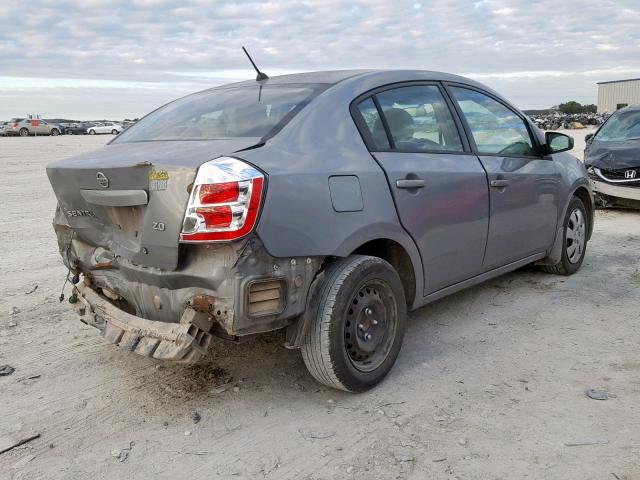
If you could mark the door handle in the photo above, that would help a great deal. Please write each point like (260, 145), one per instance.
(499, 183)
(410, 183)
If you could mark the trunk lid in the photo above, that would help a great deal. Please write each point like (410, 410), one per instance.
(130, 198)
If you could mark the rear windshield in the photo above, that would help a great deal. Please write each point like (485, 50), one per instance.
(248, 111)
(621, 126)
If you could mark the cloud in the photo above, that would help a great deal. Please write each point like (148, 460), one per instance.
(537, 53)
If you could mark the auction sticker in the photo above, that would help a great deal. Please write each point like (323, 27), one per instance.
(158, 179)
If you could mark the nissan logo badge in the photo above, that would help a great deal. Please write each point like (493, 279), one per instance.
(102, 179)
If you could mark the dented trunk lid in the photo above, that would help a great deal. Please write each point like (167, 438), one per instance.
(130, 198)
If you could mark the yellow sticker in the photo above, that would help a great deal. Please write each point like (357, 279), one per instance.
(158, 179)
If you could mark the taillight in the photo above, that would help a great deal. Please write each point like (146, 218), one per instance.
(224, 202)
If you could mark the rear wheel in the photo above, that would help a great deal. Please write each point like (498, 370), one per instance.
(359, 324)
(574, 241)
(114, 132)
(24, 132)
(55, 132)
(92, 132)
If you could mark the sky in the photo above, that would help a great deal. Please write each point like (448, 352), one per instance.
(118, 59)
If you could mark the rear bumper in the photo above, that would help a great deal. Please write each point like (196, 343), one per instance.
(631, 193)
(229, 290)
(183, 342)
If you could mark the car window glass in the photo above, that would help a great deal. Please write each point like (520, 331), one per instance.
(621, 126)
(253, 110)
(419, 119)
(371, 117)
(495, 128)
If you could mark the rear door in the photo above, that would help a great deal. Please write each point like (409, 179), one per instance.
(524, 185)
(439, 186)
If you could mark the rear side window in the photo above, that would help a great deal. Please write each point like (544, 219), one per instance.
(496, 129)
(248, 111)
(371, 117)
(419, 119)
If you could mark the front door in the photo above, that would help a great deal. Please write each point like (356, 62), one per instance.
(524, 186)
(43, 128)
(439, 187)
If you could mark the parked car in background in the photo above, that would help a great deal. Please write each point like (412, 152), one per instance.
(327, 204)
(612, 158)
(79, 128)
(107, 127)
(25, 127)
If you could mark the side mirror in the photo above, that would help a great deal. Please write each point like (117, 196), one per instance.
(558, 142)
(588, 138)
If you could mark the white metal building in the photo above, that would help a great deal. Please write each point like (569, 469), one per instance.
(617, 94)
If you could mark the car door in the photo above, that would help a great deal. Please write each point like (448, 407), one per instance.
(524, 185)
(43, 128)
(438, 185)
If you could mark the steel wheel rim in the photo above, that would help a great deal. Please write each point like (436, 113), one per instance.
(371, 321)
(575, 236)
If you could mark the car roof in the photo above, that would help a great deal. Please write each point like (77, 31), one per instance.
(333, 77)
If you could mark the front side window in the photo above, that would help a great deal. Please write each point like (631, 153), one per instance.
(247, 111)
(496, 129)
(620, 127)
(419, 119)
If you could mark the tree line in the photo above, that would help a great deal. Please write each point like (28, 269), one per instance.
(576, 107)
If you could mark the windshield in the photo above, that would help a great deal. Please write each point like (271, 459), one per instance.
(621, 126)
(248, 111)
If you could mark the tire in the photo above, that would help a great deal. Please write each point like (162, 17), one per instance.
(69, 132)
(92, 132)
(114, 132)
(24, 132)
(357, 325)
(574, 240)
(54, 132)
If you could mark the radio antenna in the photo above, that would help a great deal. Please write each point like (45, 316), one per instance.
(261, 76)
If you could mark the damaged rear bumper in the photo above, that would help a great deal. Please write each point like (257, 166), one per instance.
(185, 342)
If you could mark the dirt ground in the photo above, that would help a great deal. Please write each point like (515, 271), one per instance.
(490, 383)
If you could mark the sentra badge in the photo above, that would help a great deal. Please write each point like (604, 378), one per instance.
(80, 213)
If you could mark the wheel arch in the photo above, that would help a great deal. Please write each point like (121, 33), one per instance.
(392, 243)
(395, 254)
(587, 199)
(581, 191)
(403, 256)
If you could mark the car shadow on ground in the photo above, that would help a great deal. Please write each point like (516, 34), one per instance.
(262, 364)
